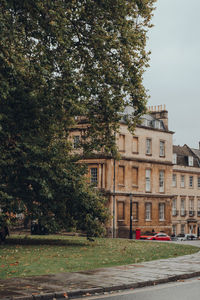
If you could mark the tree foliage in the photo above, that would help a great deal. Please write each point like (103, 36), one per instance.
(58, 60)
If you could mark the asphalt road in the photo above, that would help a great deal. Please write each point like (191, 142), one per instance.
(184, 290)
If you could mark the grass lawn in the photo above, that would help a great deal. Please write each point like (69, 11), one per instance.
(39, 255)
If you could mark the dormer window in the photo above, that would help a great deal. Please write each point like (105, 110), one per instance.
(156, 124)
(174, 158)
(190, 161)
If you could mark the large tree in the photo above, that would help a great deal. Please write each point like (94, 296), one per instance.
(59, 60)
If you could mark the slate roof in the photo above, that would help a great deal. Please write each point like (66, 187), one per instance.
(182, 156)
(196, 152)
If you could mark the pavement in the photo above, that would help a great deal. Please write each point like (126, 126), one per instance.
(85, 283)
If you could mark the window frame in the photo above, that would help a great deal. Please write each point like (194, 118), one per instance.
(161, 181)
(162, 148)
(174, 180)
(123, 137)
(191, 181)
(135, 140)
(190, 161)
(148, 146)
(147, 180)
(162, 211)
(182, 182)
(148, 211)
(94, 177)
(123, 204)
(121, 167)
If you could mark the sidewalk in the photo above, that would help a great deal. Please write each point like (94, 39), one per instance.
(100, 280)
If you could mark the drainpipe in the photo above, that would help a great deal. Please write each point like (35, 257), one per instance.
(113, 229)
(131, 218)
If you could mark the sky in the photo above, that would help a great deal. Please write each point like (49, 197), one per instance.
(173, 77)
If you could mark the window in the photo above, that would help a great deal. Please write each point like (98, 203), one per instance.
(191, 207)
(161, 211)
(174, 229)
(190, 161)
(148, 211)
(191, 181)
(161, 181)
(148, 146)
(182, 207)
(122, 142)
(148, 180)
(120, 211)
(156, 124)
(93, 176)
(121, 175)
(182, 228)
(76, 143)
(191, 204)
(135, 211)
(198, 181)
(174, 159)
(174, 211)
(182, 181)
(135, 144)
(198, 207)
(174, 180)
(162, 148)
(135, 176)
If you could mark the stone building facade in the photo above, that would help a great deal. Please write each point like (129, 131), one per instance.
(186, 190)
(143, 175)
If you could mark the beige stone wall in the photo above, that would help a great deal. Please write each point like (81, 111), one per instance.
(191, 222)
(143, 133)
(128, 182)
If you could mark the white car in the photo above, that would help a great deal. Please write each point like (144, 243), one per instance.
(190, 236)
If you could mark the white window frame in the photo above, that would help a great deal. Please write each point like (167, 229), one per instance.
(191, 204)
(190, 161)
(161, 181)
(148, 146)
(174, 180)
(182, 212)
(148, 206)
(198, 207)
(182, 184)
(198, 182)
(174, 207)
(161, 211)
(162, 148)
(148, 180)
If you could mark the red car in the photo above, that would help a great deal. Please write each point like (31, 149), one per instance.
(161, 236)
(147, 235)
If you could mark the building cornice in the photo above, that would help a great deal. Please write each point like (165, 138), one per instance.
(187, 171)
(142, 195)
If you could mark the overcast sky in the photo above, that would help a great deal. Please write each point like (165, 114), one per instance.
(174, 74)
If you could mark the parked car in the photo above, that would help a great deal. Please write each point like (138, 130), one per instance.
(180, 237)
(147, 235)
(190, 236)
(161, 236)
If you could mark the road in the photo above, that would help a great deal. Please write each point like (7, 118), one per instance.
(184, 290)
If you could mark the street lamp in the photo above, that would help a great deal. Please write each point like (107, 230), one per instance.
(131, 218)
